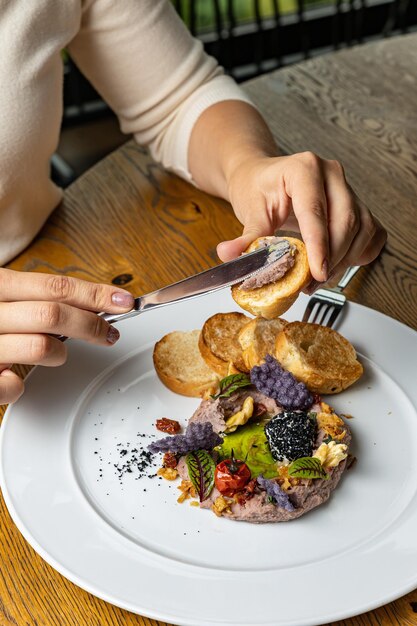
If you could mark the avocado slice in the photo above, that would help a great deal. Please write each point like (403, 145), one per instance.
(249, 444)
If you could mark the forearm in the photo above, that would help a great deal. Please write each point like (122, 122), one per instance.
(226, 135)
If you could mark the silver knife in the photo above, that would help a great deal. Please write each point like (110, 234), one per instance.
(218, 277)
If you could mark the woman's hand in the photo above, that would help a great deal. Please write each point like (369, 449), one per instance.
(305, 193)
(33, 307)
(233, 154)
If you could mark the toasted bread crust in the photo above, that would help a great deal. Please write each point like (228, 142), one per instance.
(217, 365)
(318, 356)
(218, 342)
(180, 367)
(273, 300)
(257, 339)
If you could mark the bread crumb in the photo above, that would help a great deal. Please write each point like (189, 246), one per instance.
(221, 506)
(188, 490)
(169, 473)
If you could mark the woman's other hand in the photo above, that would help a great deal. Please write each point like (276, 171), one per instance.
(34, 307)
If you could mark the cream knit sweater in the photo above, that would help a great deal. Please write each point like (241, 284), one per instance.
(140, 58)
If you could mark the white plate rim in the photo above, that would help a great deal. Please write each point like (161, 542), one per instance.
(158, 615)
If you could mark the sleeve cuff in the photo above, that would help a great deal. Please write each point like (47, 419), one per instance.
(173, 151)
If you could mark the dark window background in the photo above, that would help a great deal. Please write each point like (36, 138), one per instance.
(248, 37)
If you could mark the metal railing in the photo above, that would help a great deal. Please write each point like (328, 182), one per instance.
(280, 32)
(266, 35)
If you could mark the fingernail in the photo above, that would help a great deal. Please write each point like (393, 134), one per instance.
(325, 269)
(112, 334)
(123, 299)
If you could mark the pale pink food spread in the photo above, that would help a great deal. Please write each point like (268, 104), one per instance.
(305, 496)
(273, 271)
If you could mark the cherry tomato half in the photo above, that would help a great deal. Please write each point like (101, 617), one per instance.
(230, 476)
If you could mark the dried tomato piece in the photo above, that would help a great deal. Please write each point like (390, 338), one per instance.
(247, 493)
(166, 425)
(169, 460)
(317, 398)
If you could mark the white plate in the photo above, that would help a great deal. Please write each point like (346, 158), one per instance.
(130, 543)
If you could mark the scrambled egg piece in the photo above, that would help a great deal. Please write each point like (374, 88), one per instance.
(169, 473)
(285, 480)
(331, 423)
(331, 454)
(187, 490)
(221, 506)
(241, 417)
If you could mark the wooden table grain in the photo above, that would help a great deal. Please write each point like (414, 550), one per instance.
(127, 221)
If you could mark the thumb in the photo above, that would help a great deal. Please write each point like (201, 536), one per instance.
(258, 226)
(11, 386)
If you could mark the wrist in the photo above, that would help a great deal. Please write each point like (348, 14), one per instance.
(243, 160)
(227, 137)
(248, 170)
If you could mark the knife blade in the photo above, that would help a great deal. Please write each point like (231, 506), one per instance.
(213, 279)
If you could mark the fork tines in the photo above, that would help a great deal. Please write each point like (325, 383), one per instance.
(324, 307)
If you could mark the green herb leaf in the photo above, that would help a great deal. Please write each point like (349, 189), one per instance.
(328, 439)
(201, 468)
(307, 467)
(312, 415)
(229, 384)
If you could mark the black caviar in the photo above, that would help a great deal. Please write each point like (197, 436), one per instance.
(291, 435)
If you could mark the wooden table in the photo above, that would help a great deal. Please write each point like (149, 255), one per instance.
(358, 106)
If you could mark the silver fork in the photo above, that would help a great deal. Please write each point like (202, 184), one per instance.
(325, 305)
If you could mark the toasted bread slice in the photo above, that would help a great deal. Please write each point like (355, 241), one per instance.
(219, 345)
(275, 298)
(180, 367)
(318, 356)
(257, 339)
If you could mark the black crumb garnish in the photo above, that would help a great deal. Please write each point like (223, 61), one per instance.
(135, 461)
(291, 435)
